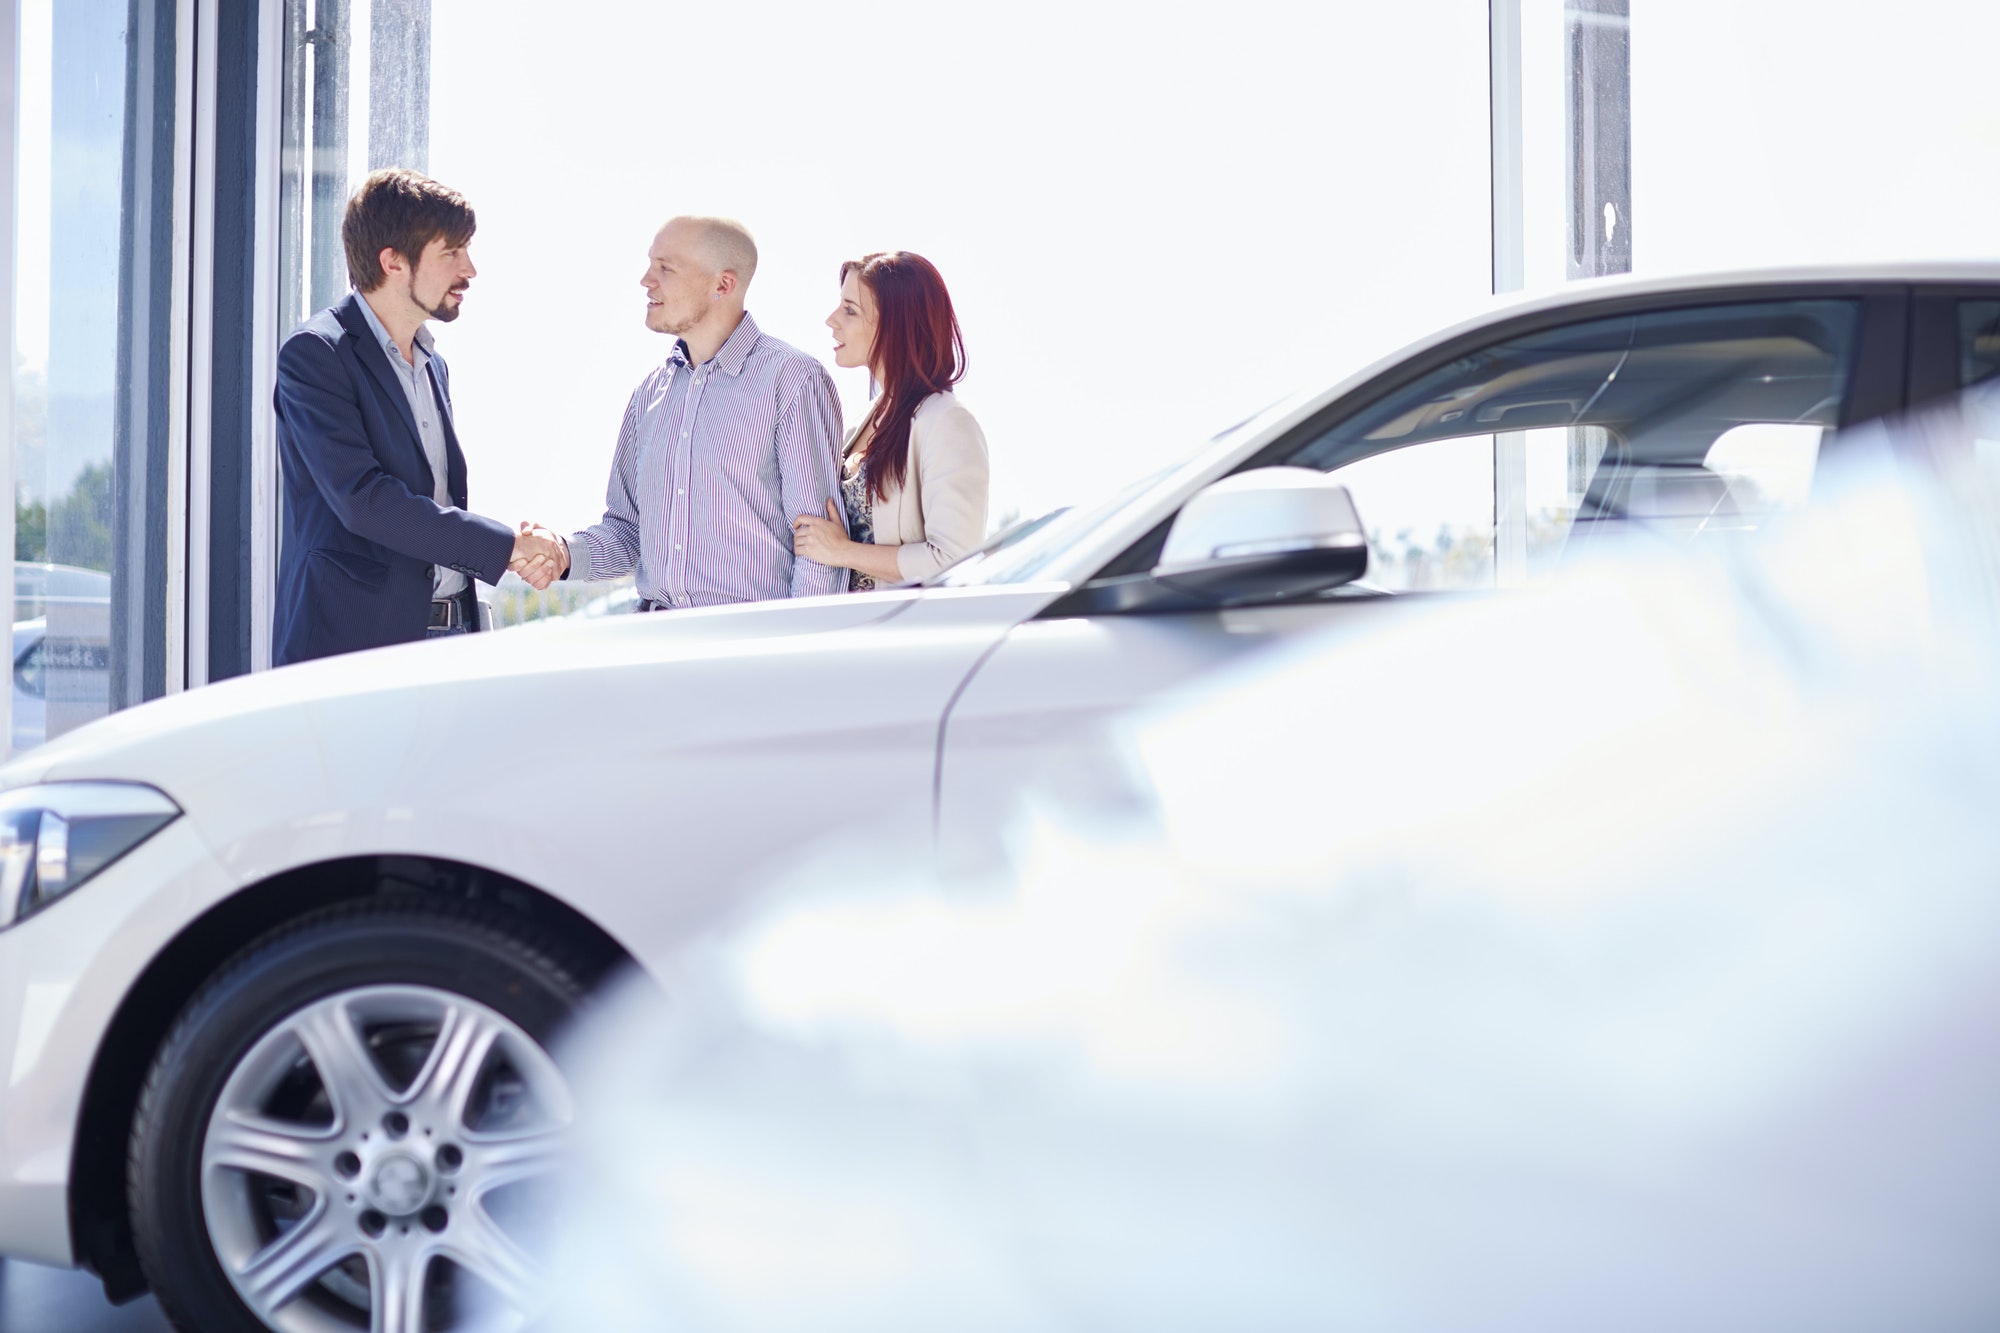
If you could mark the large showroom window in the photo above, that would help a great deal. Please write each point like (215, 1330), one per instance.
(91, 413)
(356, 97)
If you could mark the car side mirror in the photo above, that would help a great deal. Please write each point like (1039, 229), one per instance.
(1269, 534)
(1272, 534)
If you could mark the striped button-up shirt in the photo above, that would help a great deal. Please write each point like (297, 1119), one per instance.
(713, 463)
(415, 377)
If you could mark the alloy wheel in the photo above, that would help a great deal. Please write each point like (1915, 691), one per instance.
(373, 1162)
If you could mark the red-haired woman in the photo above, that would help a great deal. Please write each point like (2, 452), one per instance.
(915, 475)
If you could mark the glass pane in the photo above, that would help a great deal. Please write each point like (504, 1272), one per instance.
(1683, 422)
(1429, 514)
(357, 97)
(1978, 341)
(92, 188)
(1768, 465)
(1561, 462)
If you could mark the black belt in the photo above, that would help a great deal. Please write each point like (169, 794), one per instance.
(648, 604)
(447, 613)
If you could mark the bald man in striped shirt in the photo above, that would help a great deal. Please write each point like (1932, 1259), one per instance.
(720, 446)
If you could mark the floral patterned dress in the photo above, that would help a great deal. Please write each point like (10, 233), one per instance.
(860, 515)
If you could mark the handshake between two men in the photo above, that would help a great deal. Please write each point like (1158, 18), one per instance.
(541, 555)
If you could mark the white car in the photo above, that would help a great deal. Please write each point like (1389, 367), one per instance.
(1653, 1012)
(281, 958)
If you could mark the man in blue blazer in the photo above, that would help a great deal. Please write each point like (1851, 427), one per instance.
(379, 547)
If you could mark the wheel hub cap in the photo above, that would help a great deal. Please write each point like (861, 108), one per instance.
(400, 1185)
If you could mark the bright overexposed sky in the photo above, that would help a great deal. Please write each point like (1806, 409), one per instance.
(1153, 219)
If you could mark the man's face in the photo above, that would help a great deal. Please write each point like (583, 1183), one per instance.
(438, 280)
(680, 287)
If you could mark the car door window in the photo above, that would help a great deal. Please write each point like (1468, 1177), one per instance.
(1486, 471)
(1978, 342)
(1979, 377)
(1429, 514)
(1441, 517)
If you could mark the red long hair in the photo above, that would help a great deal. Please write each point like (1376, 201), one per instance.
(918, 351)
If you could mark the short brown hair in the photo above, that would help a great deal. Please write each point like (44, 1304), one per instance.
(401, 210)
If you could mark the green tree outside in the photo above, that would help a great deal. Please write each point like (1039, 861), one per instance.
(31, 531)
(78, 529)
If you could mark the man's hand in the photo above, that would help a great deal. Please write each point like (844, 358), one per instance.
(540, 555)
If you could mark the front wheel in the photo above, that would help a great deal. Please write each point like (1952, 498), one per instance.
(351, 1126)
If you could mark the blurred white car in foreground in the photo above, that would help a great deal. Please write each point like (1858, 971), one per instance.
(280, 958)
(1642, 978)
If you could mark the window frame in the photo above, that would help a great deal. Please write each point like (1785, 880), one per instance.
(1934, 331)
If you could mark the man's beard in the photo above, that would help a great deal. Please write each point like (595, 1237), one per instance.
(676, 327)
(447, 310)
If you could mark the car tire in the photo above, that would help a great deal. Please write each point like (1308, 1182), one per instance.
(276, 1130)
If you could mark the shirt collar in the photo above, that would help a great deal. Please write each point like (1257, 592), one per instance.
(388, 345)
(731, 355)
(737, 350)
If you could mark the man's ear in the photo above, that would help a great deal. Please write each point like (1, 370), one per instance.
(391, 260)
(725, 282)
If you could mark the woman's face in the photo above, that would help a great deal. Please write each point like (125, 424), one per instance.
(853, 324)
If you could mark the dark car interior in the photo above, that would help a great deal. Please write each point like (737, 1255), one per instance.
(1646, 395)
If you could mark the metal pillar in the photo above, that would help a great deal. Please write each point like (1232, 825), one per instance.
(10, 100)
(1598, 40)
(1599, 58)
(293, 168)
(329, 41)
(1503, 41)
(144, 430)
(238, 323)
(1510, 448)
(399, 84)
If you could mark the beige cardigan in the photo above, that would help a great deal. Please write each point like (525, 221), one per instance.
(939, 512)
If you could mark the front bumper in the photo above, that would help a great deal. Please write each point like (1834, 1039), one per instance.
(63, 974)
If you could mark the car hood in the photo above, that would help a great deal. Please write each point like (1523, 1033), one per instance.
(225, 717)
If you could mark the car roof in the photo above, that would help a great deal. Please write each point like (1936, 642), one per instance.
(1927, 271)
(1620, 288)
(1721, 282)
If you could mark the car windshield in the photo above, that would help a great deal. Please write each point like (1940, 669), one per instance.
(1024, 551)
(1006, 539)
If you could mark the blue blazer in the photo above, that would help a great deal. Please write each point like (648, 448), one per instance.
(361, 528)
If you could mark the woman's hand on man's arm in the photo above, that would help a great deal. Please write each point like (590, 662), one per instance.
(825, 541)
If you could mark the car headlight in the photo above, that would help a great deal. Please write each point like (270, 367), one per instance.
(55, 836)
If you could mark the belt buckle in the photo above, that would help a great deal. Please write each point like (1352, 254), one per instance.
(444, 613)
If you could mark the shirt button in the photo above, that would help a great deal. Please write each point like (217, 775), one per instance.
(677, 546)
(680, 490)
